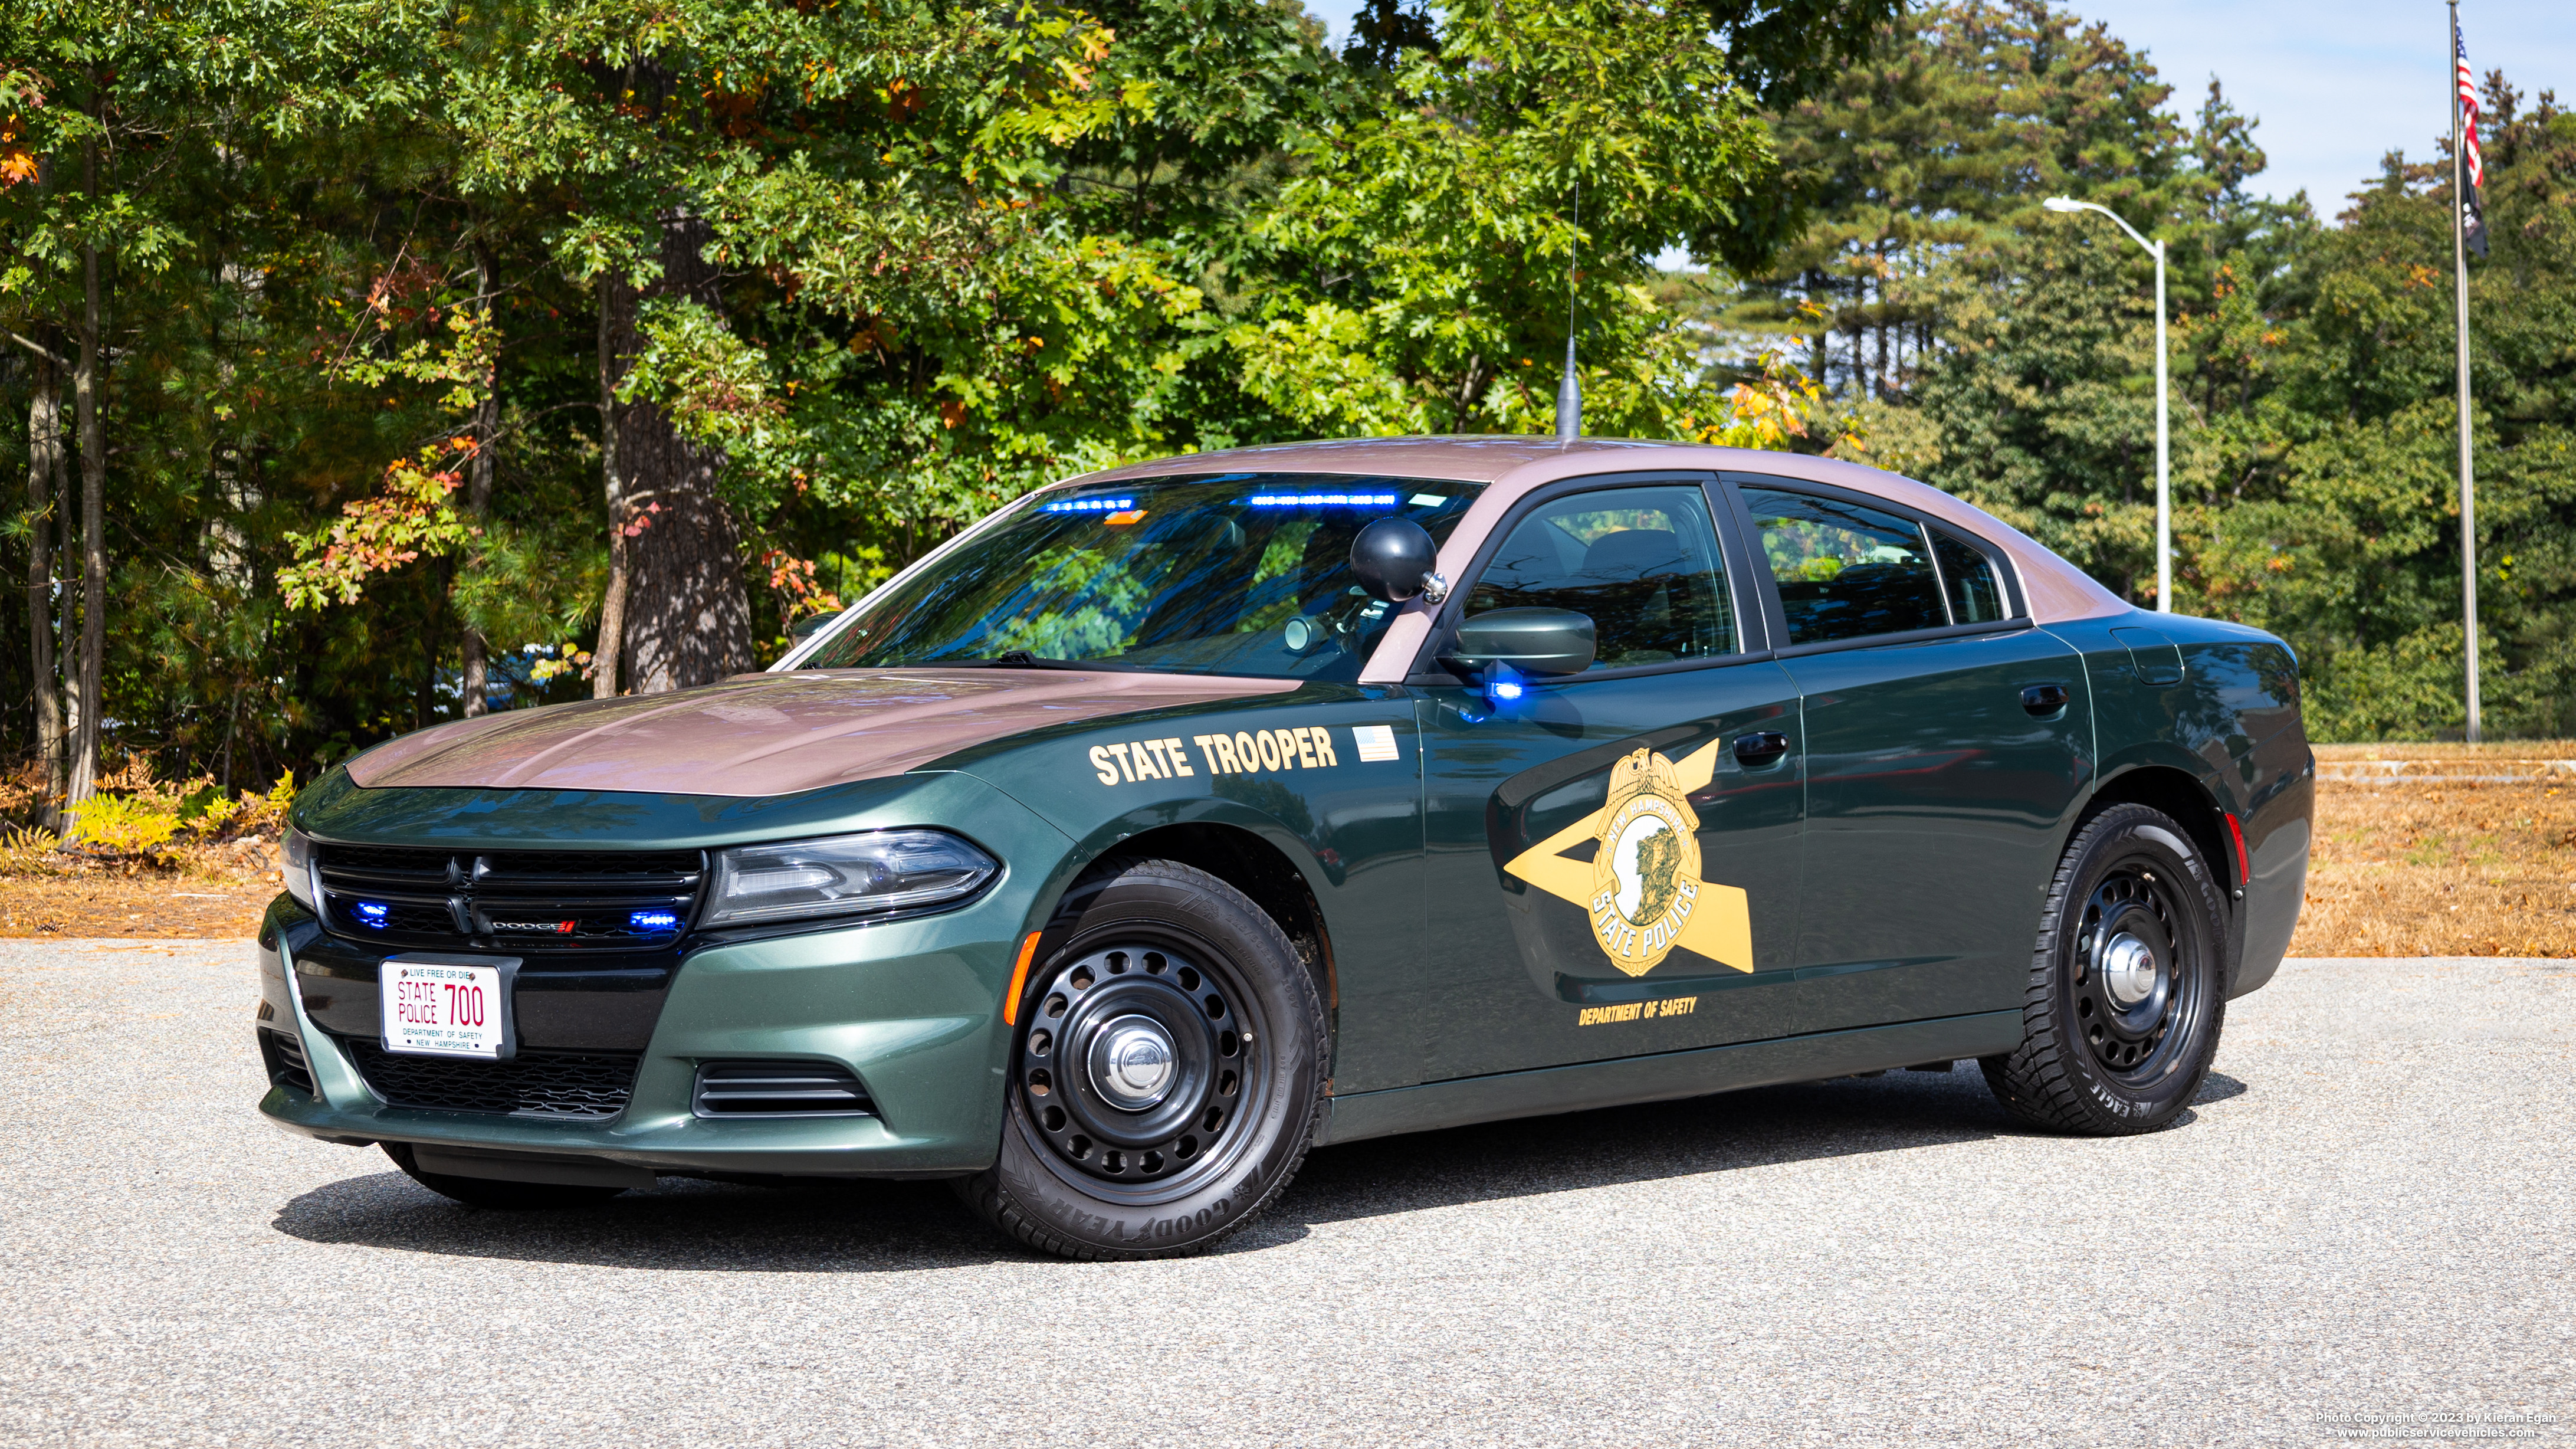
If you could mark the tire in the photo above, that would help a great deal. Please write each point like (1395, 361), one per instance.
(492, 1192)
(2127, 984)
(1167, 1075)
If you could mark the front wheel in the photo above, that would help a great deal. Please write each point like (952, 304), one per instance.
(1167, 1075)
(2120, 1021)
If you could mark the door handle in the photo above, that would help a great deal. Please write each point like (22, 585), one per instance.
(1761, 747)
(2043, 700)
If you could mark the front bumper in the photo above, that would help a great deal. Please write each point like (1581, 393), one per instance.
(912, 1007)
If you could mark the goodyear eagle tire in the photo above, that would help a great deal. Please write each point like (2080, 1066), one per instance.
(488, 1192)
(2121, 1017)
(1167, 1075)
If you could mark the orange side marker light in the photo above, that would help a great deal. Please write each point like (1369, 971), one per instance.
(1019, 978)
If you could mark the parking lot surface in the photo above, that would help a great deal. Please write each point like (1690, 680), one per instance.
(2367, 1212)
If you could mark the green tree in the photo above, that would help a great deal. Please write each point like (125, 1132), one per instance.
(2349, 543)
(1428, 251)
(1943, 141)
(389, 345)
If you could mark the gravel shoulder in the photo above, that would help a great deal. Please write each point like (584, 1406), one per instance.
(2367, 1211)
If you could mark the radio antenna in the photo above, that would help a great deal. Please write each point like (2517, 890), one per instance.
(1569, 390)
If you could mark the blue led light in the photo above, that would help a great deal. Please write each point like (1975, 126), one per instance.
(1090, 505)
(1321, 500)
(1502, 689)
(653, 920)
(372, 914)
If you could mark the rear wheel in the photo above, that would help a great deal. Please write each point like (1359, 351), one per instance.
(2120, 1021)
(1167, 1075)
(493, 1192)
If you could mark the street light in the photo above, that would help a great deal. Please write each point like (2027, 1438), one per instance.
(2164, 490)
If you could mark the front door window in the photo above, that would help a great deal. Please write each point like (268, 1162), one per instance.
(1642, 563)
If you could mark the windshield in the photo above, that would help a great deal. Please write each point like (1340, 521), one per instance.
(1235, 573)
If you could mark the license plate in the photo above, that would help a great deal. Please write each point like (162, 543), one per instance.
(447, 1006)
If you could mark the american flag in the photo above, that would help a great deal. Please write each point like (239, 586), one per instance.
(2473, 212)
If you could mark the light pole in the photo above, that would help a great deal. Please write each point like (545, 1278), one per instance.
(2164, 470)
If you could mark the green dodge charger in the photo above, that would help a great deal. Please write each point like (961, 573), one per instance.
(1178, 818)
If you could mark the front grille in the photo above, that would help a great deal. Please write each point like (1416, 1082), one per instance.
(584, 1086)
(284, 1056)
(520, 900)
(779, 1089)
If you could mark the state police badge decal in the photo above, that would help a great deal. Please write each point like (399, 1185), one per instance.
(1645, 874)
(1642, 887)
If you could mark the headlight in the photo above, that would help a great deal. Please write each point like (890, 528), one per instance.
(295, 849)
(844, 875)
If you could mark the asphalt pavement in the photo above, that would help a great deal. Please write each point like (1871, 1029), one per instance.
(2367, 1213)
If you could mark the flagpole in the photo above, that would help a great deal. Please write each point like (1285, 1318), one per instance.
(2460, 291)
(2164, 453)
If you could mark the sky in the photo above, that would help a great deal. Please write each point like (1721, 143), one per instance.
(2337, 84)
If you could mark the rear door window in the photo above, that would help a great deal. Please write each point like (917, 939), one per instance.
(1845, 571)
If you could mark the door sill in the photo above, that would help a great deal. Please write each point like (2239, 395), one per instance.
(1699, 1072)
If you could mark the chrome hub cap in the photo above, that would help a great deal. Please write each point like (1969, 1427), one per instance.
(2129, 970)
(1133, 1062)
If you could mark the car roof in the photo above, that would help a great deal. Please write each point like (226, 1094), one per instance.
(1513, 465)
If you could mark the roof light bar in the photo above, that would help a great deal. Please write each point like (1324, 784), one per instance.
(1321, 500)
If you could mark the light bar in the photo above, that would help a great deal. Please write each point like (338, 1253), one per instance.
(1090, 505)
(1321, 500)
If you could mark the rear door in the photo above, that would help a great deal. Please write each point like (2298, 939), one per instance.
(1604, 870)
(1948, 741)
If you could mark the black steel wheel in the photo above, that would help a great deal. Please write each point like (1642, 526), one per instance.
(1167, 1075)
(1142, 1063)
(2126, 995)
(2134, 995)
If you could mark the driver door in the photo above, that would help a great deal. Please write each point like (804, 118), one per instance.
(1605, 870)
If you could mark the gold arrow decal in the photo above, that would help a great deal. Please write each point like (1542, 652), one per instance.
(1642, 887)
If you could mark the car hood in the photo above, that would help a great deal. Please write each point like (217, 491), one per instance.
(774, 734)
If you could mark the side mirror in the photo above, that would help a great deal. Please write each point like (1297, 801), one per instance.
(1393, 560)
(1531, 641)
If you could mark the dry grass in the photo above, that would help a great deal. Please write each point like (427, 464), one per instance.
(171, 906)
(2454, 755)
(212, 891)
(2441, 857)
(153, 857)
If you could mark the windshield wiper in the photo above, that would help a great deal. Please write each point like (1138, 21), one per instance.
(1019, 659)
